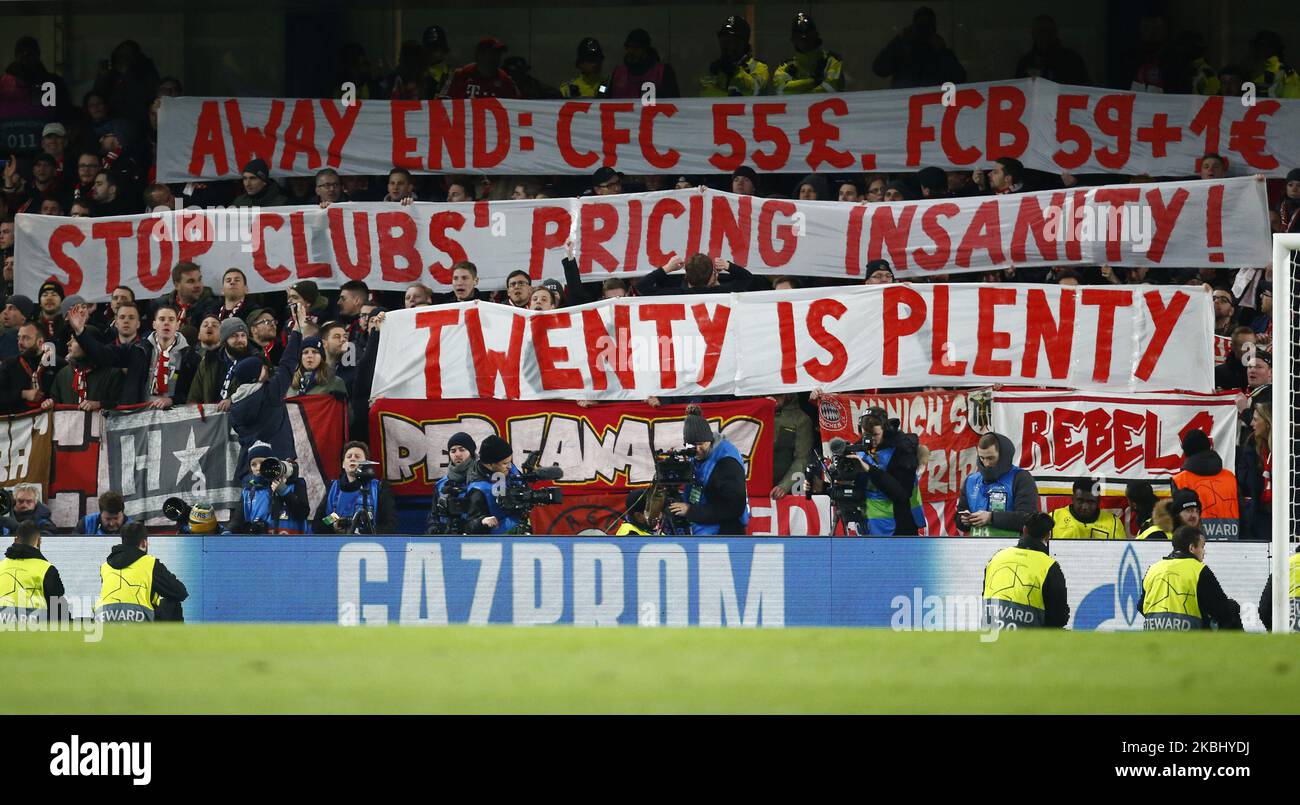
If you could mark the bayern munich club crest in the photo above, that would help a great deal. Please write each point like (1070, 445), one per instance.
(832, 412)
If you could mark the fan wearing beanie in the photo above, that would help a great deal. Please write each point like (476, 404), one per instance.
(462, 469)
(215, 379)
(314, 375)
(716, 502)
(484, 512)
(1215, 487)
(276, 506)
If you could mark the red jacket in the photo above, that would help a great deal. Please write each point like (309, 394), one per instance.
(467, 83)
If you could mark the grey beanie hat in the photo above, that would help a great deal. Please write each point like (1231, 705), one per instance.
(696, 429)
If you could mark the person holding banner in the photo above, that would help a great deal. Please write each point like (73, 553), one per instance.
(717, 503)
(701, 275)
(1024, 585)
(259, 189)
(999, 497)
(1181, 593)
(1084, 517)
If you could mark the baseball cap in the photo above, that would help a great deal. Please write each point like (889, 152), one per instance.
(54, 128)
(490, 43)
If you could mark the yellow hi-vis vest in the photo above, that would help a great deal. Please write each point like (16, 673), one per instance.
(626, 529)
(1106, 526)
(126, 594)
(1294, 592)
(1169, 595)
(1013, 587)
(1149, 530)
(22, 584)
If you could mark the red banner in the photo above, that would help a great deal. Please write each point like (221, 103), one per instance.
(941, 422)
(602, 449)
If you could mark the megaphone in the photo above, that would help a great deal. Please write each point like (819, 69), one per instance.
(176, 510)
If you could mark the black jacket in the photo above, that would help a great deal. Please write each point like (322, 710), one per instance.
(1214, 602)
(576, 291)
(165, 584)
(727, 496)
(53, 583)
(1024, 491)
(898, 478)
(1055, 602)
(258, 412)
(40, 516)
(385, 508)
(137, 360)
(660, 283)
(15, 379)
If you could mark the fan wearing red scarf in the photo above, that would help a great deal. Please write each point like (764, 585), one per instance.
(153, 366)
(25, 379)
(81, 383)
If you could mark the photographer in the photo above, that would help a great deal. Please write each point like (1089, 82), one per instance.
(447, 515)
(892, 490)
(27, 508)
(274, 502)
(718, 501)
(485, 515)
(110, 518)
(358, 502)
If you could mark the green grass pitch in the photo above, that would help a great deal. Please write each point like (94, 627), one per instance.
(257, 669)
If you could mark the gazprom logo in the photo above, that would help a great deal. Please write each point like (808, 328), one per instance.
(1116, 602)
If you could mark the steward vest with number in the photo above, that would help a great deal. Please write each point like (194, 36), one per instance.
(1106, 526)
(1013, 587)
(347, 504)
(879, 508)
(22, 584)
(1169, 595)
(704, 471)
(126, 594)
(991, 496)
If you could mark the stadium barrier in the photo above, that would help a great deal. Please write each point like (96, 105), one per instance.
(902, 583)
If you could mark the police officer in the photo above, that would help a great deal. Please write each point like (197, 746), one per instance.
(736, 72)
(1180, 592)
(461, 472)
(484, 512)
(1024, 585)
(716, 501)
(135, 586)
(813, 68)
(591, 81)
(892, 487)
(1266, 599)
(30, 587)
(109, 519)
(270, 507)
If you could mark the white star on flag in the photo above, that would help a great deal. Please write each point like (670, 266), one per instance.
(189, 459)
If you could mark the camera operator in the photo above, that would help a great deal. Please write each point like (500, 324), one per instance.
(447, 515)
(892, 489)
(485, 514)
(274, 499)
(110, 518)
(718, 502)
(358, 502)
(25, 500)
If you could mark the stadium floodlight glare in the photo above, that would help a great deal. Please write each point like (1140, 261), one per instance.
(1286, 260)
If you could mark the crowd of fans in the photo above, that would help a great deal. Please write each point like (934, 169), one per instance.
(208, 341)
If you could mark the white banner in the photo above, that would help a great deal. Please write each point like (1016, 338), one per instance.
(1061, 436)
(1138, 338)
(389, 246)
(1047, 126)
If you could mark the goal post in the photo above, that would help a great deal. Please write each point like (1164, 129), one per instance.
(1286, 260)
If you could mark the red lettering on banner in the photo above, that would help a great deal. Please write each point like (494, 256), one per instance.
(664, 208)
(819, 133)
(1006, 115)
(918, 133)
(733, 227)
(1164, 320)
(63, 236)
(300, 137)
(485, 157)
(831, 370)
(196, 235)
(632, 254)
(270, 273)
(613, 135)
(209, 142)
(564, 136)
(1044, 329)
(694, 223)
(1214, 223)
(152, 276)
(341, 123)
(940, 344)
(1206, 123)
(403, 145)
(890, 234)
(1246, 136)
(1067, 423)
(439, 225)
(1030, 219)
(1074, 245)
(434, 321)
(984, 233)
(604, 353)
(1106, 302)
(1098, 442)
(853, 241)
(935, 230)
(1202, 421)
(1035, 449)
(1159, 134)
(1128, 450)
(397, 233)
(597, 224)
(765, 132)
(714, 332)
(663, 160)
(253, 142)
(1114, 116)
(1169, 463)
(304, 268)
(987, 338)
(1164, 217)
(548, 356)
(1117, 198)
(550, 231)
(489, 364)
(623, 340)
(1068, 132)
(724, 134)
(893, 327)
(768, 233)
(112, 233)
(964, 99)
(663, 315)
(786, 337)
(357, 269)
(446, 134)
